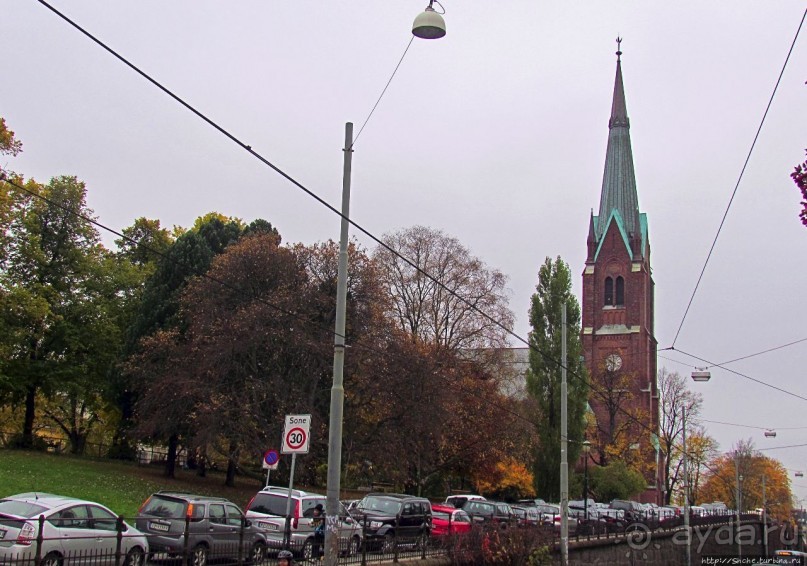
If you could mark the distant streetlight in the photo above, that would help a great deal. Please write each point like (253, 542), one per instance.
(430, 24)
(701, 375)
(770, 434)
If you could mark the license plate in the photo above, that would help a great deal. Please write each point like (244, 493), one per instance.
(268, 526)
(159, 527)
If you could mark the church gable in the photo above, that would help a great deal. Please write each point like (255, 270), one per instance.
(615, 223)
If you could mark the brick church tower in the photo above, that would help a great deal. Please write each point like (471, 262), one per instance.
(617, 320)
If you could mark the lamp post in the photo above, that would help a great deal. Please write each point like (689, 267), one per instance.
(686, 483)
(428, 25)
(586, 450)
(701, 375)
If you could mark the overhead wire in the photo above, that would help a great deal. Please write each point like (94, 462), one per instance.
(755, 380)
(739, 179)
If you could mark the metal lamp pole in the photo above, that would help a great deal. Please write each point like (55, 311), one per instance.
(564, 447)
(586, 449)
(686, 485)
(338, 390)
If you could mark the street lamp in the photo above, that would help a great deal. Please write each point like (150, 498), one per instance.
(430, 24)
(586, 450)
(701, 375)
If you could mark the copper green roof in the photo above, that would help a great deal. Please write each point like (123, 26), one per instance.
(619, 201)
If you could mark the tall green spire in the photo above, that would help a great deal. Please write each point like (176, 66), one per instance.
(619, 181)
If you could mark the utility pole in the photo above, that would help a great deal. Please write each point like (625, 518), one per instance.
(738, 500)
(338, 390)
(764, 520)
(686, 484)
(564, 446)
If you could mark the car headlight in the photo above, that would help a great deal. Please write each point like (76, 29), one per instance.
(376, 524)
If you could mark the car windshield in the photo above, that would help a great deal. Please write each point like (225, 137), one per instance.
(383, 504)
(161, 506)
(21, 508)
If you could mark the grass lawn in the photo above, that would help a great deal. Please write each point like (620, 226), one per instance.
(121, 486)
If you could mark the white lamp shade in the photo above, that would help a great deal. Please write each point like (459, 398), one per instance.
(429, 25)
(701, 376)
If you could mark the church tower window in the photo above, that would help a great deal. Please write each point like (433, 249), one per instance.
(609, 292)
(620, 292)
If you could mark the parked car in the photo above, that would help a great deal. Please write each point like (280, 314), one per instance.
(448, 520)
(634, 511)
(391, 519)
(214, 528)
(268, 510)
(459, 501)
(612, 520)
(530, 502)
(72, 529)
(525, 516)
(668, 513)
(550, 516)
(491, 513)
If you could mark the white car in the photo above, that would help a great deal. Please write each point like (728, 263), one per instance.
(74, 531)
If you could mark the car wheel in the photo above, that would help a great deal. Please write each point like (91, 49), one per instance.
(388, 546)
(135, 557)
(258, 553)
(198, 556)
(354, 547)
(52, 559)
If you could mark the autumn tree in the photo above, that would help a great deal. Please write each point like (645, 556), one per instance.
(753, 469)
(677, 405)
(618, 433)
(512, 481)
(454, 310)
(701, 450)
(256, 344)
(188, 256)
(59, 305)
(799, 176)
(9, 145)
(441, 294)
(554, 289)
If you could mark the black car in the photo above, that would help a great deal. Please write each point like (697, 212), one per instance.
(391, 519)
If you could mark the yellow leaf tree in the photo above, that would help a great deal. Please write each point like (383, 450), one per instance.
(509, 479)
(754, 469)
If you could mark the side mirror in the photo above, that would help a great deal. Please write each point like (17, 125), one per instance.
(247, 523)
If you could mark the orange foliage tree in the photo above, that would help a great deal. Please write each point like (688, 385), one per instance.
(721, 482)
(509, 479)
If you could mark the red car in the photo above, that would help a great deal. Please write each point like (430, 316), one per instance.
(447, 520)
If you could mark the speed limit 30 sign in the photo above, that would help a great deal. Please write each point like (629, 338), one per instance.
(295, 434)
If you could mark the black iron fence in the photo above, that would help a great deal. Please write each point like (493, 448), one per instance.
(65, 541)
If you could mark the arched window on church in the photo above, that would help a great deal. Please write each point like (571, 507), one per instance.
(620, 292)
(609, 292)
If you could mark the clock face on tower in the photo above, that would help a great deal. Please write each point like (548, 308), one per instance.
(613, 362)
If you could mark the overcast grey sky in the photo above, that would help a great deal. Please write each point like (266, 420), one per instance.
(495, 134)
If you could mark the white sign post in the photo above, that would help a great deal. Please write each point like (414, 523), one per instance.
(295, 441)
